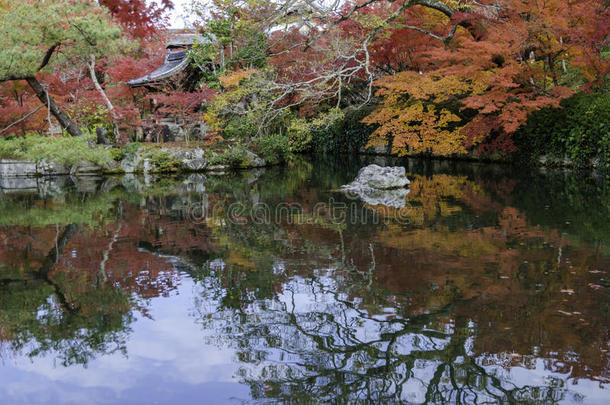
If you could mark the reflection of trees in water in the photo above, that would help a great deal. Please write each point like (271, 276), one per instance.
(312, 342)
(77, 319)
(467, 241)
(368, 329)
(71, 291)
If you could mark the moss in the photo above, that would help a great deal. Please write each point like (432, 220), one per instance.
(162, 161)
(69, 151)
(117, 170)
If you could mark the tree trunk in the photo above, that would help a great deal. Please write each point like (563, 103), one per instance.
(98, 87)
(56, 252)
(57, 112)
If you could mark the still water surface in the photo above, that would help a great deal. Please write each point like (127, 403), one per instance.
(489, 285)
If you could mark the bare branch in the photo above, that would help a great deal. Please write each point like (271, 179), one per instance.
(25, 117)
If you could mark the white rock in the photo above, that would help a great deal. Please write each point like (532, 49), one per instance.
(377, 185)
(130, 163)
(379, 178)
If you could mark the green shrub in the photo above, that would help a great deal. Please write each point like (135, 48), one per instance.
(65, 150)
(274, 148)
(240, 127)
(232, 157)
(162, 161)
(128, 149)
(131, 148)
(347, 133)
(580, 130)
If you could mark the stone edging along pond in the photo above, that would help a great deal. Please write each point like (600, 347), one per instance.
(163, 160)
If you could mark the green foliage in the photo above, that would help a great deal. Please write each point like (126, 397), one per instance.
(345, 134)
(78, 27)
(201, 56)
(230, 43)
(580, 130)
(241, 126)
(228, 115)
(274, 148)
(572, 78)
(93, 117)
(162, 160)
(131, 148)
(284, 131)
(302, 131)
(232, 157)
(64, 150)
(92, 212)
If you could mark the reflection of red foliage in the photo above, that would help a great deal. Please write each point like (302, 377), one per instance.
(117, 246)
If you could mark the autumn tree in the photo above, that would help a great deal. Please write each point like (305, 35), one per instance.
(451, 76)
(485, 68)
(39, 36)
(141, 18)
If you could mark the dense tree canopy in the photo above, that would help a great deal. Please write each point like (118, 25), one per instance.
(36, 34)
(451, 76)
(42, 34)
(435, 77)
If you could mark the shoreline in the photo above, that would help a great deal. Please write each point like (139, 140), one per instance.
(192, 160)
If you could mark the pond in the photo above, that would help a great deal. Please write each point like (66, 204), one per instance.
(489, 284)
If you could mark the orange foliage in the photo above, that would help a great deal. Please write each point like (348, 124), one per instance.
(408, 113)
(232, 79)
(484, 86)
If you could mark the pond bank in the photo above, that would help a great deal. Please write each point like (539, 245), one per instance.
(543, 161)
(44, 157)
(136, 158)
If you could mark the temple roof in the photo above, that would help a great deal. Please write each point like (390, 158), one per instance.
(175, 61)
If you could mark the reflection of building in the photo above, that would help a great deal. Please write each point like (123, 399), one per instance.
(176, 71)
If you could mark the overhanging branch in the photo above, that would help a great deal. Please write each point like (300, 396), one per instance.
(48, 55)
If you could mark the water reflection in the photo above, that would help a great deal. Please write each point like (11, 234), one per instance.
(494, 291)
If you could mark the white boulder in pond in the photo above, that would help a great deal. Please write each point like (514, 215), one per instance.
(377, 185)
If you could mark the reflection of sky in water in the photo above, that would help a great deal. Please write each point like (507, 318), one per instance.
(301, 297)
(169, 361)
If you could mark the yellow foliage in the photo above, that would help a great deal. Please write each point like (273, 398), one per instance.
(407, 113)
(421, 86)
(234, 78)
(416, 129)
